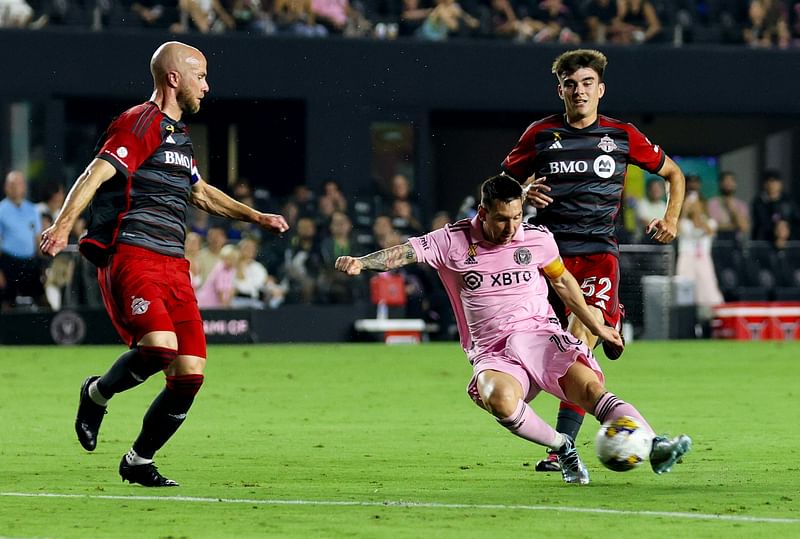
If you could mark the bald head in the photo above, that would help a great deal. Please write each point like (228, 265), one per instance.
(15, 186)
(179, 73)
(174, 56)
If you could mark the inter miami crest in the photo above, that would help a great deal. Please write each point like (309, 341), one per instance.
(522, 256)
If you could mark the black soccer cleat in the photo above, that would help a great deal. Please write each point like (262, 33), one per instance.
(90, 416)
(145, 474)
(550, 464)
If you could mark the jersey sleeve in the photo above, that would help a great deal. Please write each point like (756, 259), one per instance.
(195, 173)
(519, 162)
(130, 139)
(549, 257)
(432, 248)
(644, 153)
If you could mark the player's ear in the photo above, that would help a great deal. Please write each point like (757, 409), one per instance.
(601, 90)
(481, 213)
(560, 91)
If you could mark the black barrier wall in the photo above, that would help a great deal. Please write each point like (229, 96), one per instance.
(291, 323)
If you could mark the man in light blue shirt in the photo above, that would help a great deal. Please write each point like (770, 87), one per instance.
(20, 226)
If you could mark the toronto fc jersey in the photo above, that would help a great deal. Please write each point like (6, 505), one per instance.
(145, 203)
(585, 169)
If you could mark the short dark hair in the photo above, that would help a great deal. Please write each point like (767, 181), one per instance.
(501, 187)
(771, 174)
(571, 61)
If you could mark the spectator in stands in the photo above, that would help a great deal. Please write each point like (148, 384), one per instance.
(332, 192)
(653, 206)
(637, 22)
(382, 228)
(332, 14)
(413, 15)
(296, 17)
(20, 226)
(440, 219)
(599, 17)
(209, 255)
(191, 249)
(217, 290)
(730, 213)
(767, 25)
(303, 196)
(332, 287)
(773, 205)
(559, 23)
(403, 219)
(250, 279)
(697, 231)
(206, 15)
(237, 230)
(447, 18)
(302, 261)
(51, 204)
(15, 14)
(159, 14)
(250, 16)
(58, 276)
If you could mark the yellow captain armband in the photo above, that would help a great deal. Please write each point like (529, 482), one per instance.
(554, 269)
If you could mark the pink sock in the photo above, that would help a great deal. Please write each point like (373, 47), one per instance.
(526, 424)
(611, 407)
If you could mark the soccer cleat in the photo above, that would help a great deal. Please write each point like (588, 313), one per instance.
(144, 474)
(90, 416)
(550, 464)
(665, 452)
(572, 469)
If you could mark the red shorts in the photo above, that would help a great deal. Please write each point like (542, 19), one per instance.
(144, 291)
(598, 277)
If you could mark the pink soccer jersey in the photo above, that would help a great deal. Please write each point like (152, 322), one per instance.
(495, 290)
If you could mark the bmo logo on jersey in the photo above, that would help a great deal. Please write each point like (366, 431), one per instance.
(604, 166)
(175, 158)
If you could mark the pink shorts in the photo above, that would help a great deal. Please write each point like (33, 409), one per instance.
(537, 360)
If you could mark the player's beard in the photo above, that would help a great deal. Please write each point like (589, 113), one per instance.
(186, 102)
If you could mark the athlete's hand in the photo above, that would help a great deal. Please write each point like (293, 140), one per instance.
(349, 265)
(662, 231)
(272, 222)
(611, 336)
(53, 241)
(536, 190)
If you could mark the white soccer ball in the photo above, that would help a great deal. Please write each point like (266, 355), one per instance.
(623, 444)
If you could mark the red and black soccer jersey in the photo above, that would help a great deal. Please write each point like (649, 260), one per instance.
(586, 170)
(145, 203)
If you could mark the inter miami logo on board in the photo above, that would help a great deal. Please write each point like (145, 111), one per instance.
(472, 280)
(522, 256)
(472, 251)
(607, 144)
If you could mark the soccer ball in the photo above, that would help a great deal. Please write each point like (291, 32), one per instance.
(622, 444)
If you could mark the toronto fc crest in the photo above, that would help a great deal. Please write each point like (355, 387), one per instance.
(139, 305)
(607, 144)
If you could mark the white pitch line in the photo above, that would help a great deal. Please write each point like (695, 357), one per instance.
(423, 505)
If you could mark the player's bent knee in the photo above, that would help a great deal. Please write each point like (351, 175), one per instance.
(151, 359)
(501, 400)
(185, 385)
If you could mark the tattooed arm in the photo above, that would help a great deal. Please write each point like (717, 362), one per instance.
(384, 260)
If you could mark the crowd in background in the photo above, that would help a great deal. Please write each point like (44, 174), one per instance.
(758, 23)
(730, 248)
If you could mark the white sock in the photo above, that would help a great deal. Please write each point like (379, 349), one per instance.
(134, 459)
(95, 395)
(558, 441)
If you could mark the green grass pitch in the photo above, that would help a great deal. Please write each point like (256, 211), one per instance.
(381, 441)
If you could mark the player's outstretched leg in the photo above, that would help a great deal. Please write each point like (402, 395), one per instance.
(570, 418)
(665, 452)
(165, 415)
(90, 416)
(129, 370)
